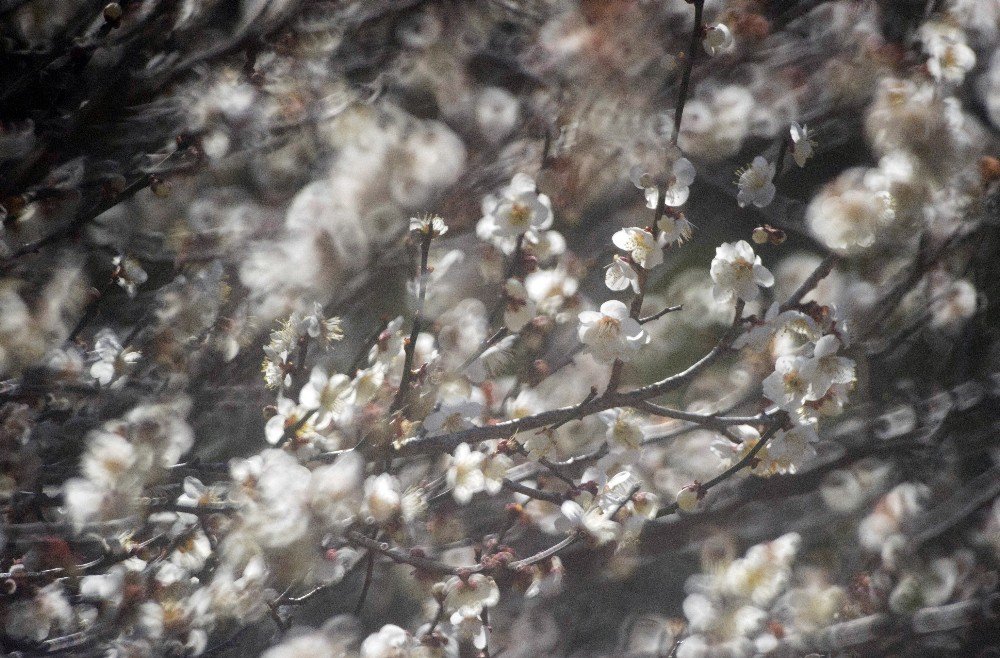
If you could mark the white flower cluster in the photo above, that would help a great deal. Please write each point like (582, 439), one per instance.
(728, 609)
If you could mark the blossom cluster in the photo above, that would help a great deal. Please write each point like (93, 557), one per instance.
(413, 330)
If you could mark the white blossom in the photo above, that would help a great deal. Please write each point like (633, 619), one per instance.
(113, 360)
(594, 522)
(465, 475)
(290, 421)
(623, 427)
(641, 245)
(949, 56)
(718, 39)
(677, 190)
(787, 386)
(611, 333)
(382, 497)
(621, 275)
(674, 227)
(791, 326)
(328, 393)
(551, 289)
(518, 210)
(756, 184)
(431, 224)
(826, 368)
(849, 213)
(762, 574)
(467, 597)
(802, 145)
(390, 641)
(128, 274)
(36, 618)
(737, 271)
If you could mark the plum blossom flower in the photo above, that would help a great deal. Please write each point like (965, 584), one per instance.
(784, 453)
(949, 56)
(623, 427)
(390, 641)
(762, 574)
(825, 368)
(718, 39)
(611, 333)
(593, 522)
(551, 289)
(113, 360)
(674, 227)
(192, 551)
(737, 271)
(518, 210)
(953, 301)
(848, 214)
(677, 190)
(382, 497)
(495, 468)
(328, 393)
(465, 474)
(290, 421)
(641, 245)
(792, 325)
(468, 597)
(620, 275)
(472, 471)
(802, 145)
(787, 386)
(429, 224)
(36, 618)
(756, 184)
(790, 448)
(111, 458)
(128, 274)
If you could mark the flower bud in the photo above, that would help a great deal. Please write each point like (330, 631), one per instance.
(160, 187)
(989, 169)
(112, 12)
(687, 497)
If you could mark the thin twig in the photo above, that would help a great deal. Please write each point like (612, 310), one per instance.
(692, 54)
(747, 460)
(657, 316)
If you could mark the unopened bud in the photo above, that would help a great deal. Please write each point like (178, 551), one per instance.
(160, 187)
(112, 12)
(760, 235)
(687, 497)
(540, 370)
(989, 169)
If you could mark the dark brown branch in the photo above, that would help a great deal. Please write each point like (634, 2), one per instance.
(692, 54)
(812, 281)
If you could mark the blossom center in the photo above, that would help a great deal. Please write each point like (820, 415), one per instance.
(608, 327)
(520, 214)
